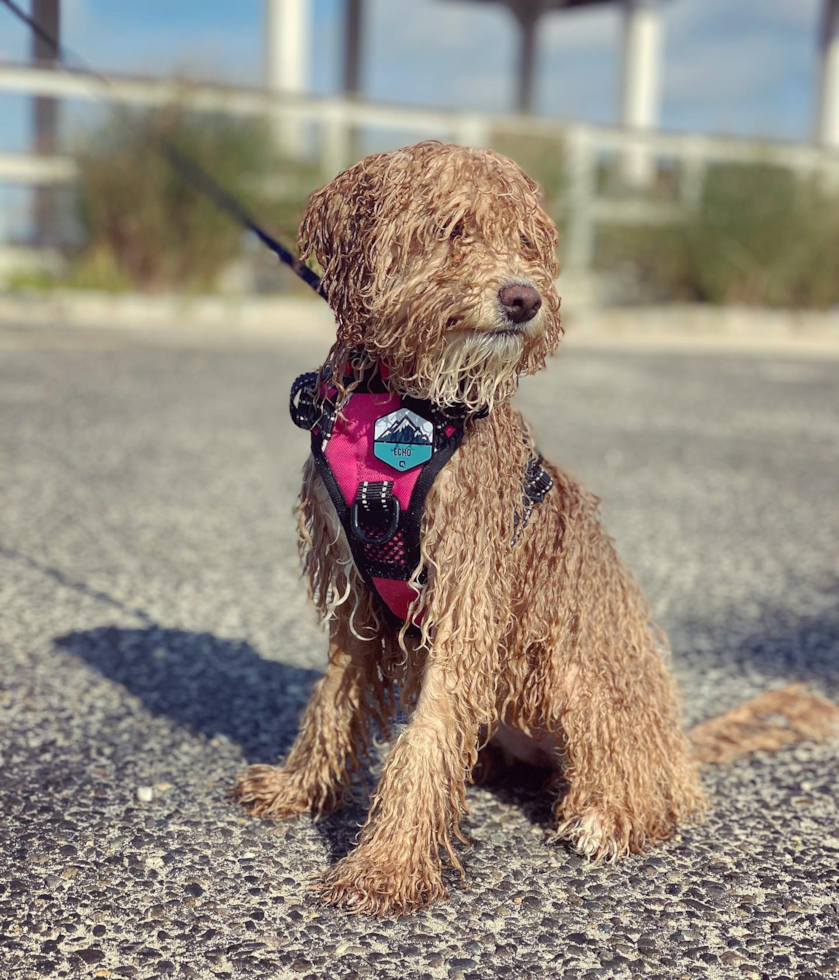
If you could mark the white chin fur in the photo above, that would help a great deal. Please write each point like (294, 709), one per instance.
(473, 368)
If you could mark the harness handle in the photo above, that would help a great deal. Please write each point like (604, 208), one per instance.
(375, 499)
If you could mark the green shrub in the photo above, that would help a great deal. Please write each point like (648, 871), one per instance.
(760, 236)
(143, 226)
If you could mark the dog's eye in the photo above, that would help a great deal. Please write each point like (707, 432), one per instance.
(457, 231)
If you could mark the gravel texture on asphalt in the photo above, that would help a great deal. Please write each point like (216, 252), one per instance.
(155, 637)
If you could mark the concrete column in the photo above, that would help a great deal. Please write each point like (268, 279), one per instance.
(643, 38)
(47, 14)
(288, 44)
(827, 125)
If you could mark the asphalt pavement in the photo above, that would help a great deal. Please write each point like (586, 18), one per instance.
(155, 637)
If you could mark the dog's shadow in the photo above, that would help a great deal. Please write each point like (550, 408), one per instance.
(211, 685)
(531, 790)
(216, 686)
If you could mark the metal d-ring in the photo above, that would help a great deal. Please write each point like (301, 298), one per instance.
(389, 533)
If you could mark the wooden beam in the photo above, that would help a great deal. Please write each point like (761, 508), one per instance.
(353, 46)
(45, 120)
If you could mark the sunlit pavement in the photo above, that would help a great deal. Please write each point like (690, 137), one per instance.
(155, 636)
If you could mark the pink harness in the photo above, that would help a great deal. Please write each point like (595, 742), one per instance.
(378, 454)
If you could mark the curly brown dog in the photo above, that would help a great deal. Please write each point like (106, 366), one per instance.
(440, 265)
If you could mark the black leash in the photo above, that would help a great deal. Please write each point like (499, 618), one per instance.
(192, 172)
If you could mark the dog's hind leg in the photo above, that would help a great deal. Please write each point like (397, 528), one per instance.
(397, 865)
(333, 736)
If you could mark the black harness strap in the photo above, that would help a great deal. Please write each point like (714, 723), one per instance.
(537, 485)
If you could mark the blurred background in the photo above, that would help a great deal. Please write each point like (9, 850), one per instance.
(154, 632)
(688, 149)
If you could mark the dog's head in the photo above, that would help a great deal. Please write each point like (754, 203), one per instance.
(439, 261)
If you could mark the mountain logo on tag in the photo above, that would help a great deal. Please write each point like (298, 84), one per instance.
(403, 439)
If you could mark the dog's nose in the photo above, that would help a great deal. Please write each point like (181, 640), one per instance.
(521, 303)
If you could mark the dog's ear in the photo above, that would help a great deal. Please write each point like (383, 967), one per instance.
(316, 236)
(335, 231)
(338, 221)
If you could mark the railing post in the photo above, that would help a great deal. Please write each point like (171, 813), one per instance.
(336, 145)
(827, 122)
(692, 171)
(578, 251)
(471, 130)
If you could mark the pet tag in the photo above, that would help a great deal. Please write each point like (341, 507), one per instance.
(403, 440)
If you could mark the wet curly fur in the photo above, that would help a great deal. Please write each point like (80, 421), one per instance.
(546, 645)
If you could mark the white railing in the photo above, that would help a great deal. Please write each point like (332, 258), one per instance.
(336, 119)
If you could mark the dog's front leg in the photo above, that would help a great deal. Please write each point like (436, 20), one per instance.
(397, 865)
(332, 739)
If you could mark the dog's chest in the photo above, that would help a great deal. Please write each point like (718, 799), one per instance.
(479, 492)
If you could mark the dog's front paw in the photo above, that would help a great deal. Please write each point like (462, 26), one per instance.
(363, 884)
(593, 835)
(604, 835)
(275, 793)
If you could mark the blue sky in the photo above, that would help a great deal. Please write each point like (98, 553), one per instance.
(744, 67)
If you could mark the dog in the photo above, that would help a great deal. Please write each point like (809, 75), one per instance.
(524, 633)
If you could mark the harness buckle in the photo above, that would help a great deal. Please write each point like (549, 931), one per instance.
(537, 481)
